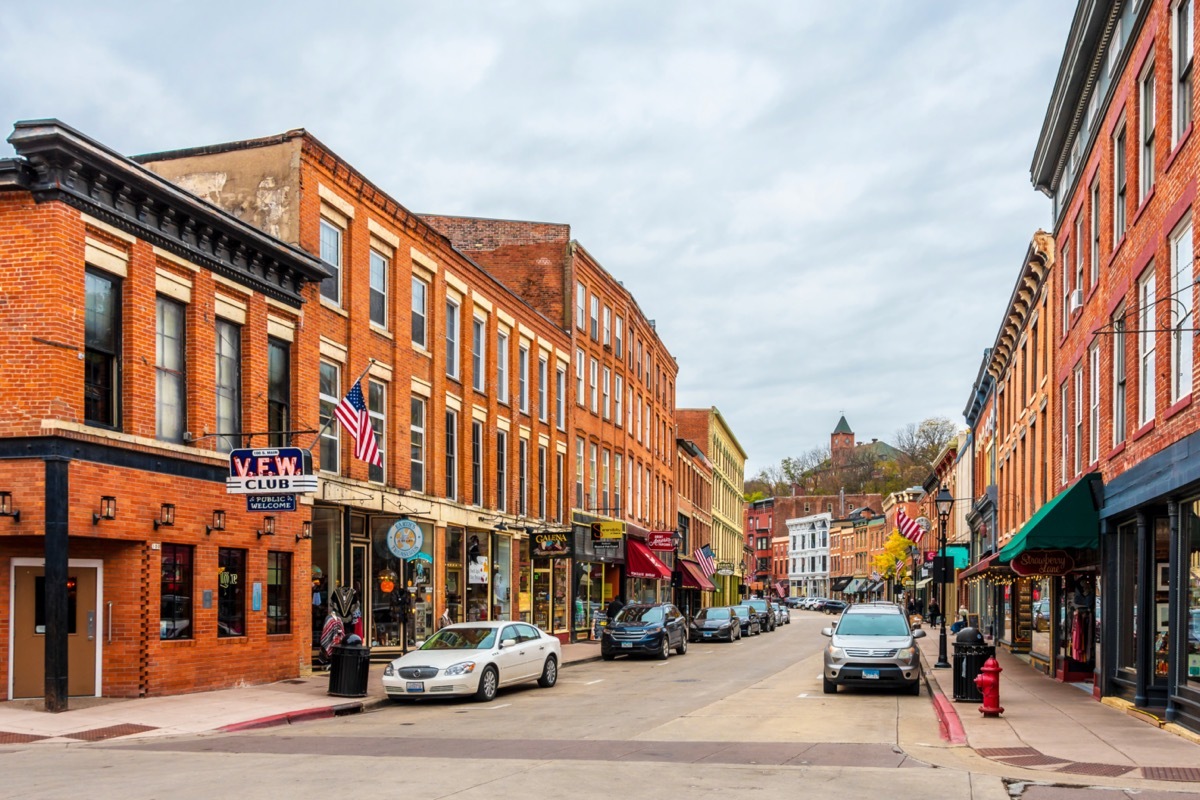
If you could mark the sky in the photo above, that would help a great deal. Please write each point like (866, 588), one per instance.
(823, 206)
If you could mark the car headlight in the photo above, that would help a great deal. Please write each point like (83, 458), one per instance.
(836, 653)
(906, 653)
(389, 670)
(724, 627)
(461, 668)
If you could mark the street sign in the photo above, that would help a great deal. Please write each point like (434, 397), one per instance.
(270, 502)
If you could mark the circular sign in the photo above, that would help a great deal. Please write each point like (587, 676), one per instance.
(404, 538)
(924, 524)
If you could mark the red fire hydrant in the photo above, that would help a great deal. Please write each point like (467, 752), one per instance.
(988, 682)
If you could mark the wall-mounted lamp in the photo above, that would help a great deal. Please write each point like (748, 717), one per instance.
(268, 528)
(218, 522)
(108, 510)
(501, 526)
(305, 531)
(6, 509)
(166, 516)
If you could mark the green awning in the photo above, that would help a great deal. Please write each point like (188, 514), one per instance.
(1070, 520)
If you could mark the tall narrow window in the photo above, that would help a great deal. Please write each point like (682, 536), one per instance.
(452, 368)
(617, 460)
(594, 319)
(229, 385)
(331, 254)
(478, 353)
(607, 327)
(618, 336)
(593, 388)
(579, 499)
(502, 470)
(1064, 412)
(476, 462)
(170, 408)
(502, 366)
(1078, 444)
(580, 397)
(1067, 306)
(1146, 127)
(279, 392)
(559, 475)
(1183, 321)
(543, 402)
(1146, 345)
(1094, 404)
(541, 482)
(452, 454)
(523, 378)
(376, 403)
(231, 592)
(560, 398)
(379, 293)
(618, 396)
(330, 430)
(420, 312)
(1095, 267)
(605, 476)
(593, 472)
(102, 348)
(416, 444)
(1079, 254)
(1119, 186)
(523, 477)
(1119, 397)
(279, 592)
(1182, 54)
(606, 388)
(580, 307)
(175, 592)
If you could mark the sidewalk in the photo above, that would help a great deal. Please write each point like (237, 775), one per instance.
(296, 700)
(1056, 727)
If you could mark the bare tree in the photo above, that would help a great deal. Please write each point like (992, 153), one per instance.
(920, 444)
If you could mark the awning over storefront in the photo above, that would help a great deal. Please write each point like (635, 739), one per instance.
(989, 565)
(839, 584)
(693, 577)
(855, 586)
(921, 584)
(641, 563)
(1070, 520)
(877, 586)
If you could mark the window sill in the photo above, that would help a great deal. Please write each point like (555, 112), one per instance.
(1142, 431)
(421, 351)
(1137, 215)
(384, 332)
(233, 640)
(1116, 451)
(334, 307)
(1179, 405)
(1183, 139)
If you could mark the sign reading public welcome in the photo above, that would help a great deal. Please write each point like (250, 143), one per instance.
(281, 470)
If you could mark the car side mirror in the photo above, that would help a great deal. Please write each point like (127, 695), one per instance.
(918, 634)
(508, 643)
(827, 631)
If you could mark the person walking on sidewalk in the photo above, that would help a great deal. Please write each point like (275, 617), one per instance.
(935, 613)
(614, 607)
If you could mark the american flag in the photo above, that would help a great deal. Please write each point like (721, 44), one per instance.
(909, 528)
(704, 557)
(352, 412)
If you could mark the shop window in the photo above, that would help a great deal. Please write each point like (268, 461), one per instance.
(175, 598)
(102, 347)
(455, 587)
(1189, 528)
(171, 385)
(279, 592)
(1126, 590)
(231, 592)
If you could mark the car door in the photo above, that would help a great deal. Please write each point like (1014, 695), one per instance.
(675, 628)
(537, 647)
(511, 659)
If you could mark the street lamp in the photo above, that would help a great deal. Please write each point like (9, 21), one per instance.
(943, 501)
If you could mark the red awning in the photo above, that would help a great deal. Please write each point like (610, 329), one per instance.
(693, 578)
(641, 563)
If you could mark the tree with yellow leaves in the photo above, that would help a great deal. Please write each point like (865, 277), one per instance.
(893, 561)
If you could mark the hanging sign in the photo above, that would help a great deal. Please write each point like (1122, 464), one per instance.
(405, 538)
(551, 544)
(724, 567)
(279, 470)
(1042, 562)
(608, 530)
(663, 541)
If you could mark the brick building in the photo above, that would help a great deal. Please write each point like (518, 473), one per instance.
(693, 498)
(1116, 156)
(148, 333)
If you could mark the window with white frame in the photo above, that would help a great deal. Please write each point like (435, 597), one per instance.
(1146, 132)
(580, 395)
(478, 353)
(638, 428)
(376, 403)
(605, 475)
(476, 463)
(580, 307)
(619, 336)
(523, 477)
(607, 327)
(559, 476)
(543, 378)
(1078, 444)
(1094, 403)
(594, 319)
(618, 395)
(170, 400)
(1064, 413)
(579, 473)
(593, 385)
(229, 385)
(1182, 37)
(451, 454)
(541, 482)
(1182, 305)
(1147, 288)
(523, 378)
(1079, 252)
(452, 322)
(593, 472)
(416, 444)
(330, 430)
(1119, 184)
(1066, 291)
(617, 463)
(607, 392)
(1119, 394)
(560, 398)
(502, 470)
(1114, 48)
(420, 314)
(331, 255)
(502, 366)
(378, 288)
(1095, 270)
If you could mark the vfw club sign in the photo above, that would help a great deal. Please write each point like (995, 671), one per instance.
(271, 477)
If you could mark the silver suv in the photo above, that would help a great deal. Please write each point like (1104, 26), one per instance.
(872, 645)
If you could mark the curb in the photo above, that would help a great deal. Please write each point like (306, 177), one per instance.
(949, 723)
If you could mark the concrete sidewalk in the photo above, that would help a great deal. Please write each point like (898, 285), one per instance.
(243, 708)
(1056, 727)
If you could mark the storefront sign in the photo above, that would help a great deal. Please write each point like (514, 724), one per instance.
(724, 567)
(608, 530)
(270, 502)
(1043, 562)
(405, 538)
(661, 540)
(477, 571)
(551, 544)
(281, 470)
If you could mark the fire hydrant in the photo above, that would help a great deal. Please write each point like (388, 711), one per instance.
(988, 682)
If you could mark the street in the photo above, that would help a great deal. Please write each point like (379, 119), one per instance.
(747, 717)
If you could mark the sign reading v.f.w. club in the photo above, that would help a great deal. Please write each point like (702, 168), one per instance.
(280, 470)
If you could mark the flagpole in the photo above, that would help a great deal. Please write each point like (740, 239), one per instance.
(325, 427)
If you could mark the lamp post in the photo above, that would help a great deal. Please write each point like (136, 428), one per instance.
(943, 501)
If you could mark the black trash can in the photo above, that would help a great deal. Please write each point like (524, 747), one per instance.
(349, 667)
(970, 654)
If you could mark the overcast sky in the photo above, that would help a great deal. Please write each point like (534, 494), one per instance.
(824, 206)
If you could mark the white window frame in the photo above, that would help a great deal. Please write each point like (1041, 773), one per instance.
(593, 473)
(502, 366)
(580, 393)
(1078, 443)
(1095, 270)
(377, 415)
(1094, 404)
(451, 447)
(332, 259)
(1120, 378)
(453, 324)
(594, 319)
(1146, 131)
(1065, 397)
(618, 335)
(543, 379)
(580, 306)
(477, 462)
(479, 353)
(1183, 306)
(606, 327)
(1182, 57)
(523, 378)
(560, 398)
(420, 313)
(606, 390)
(1120, 183)
(379, 285)
(416, 442)
(1147, 344)
(580, 497)
(618, 400)
(502, 470)
(594, 385)
(331, 430)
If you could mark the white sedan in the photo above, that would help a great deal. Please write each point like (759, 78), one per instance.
(475, 658)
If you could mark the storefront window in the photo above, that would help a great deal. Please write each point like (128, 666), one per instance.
(502, 577)
(1126, 590)
(231, 592)
(326, 561)
(1190, 530)
(1042, 611)
(455, 583)
(1162, 638)
(561, 582)
(400, 590)
(1006, 630)
(594, 589)
(479, 574)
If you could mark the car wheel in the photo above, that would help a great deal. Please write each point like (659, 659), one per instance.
(489, 682)
(549, 673)
(682, 649)
(607, 656)
(915, 688)
(664, 652)
(828, 686)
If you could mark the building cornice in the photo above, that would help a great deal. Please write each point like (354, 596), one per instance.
(1038, 260)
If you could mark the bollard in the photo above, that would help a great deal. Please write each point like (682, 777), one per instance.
(988, 682)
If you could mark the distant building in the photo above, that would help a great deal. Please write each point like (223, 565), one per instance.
(808, 554)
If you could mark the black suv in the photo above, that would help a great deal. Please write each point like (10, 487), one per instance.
(766, 617)
(646, 628)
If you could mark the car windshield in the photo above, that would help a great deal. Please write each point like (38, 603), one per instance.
(461, 639)
(761, 605)
(742, 611)
(713, 613)
(872, 625)
(640, 614)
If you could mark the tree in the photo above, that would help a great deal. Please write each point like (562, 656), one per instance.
(893, 560)
(920, 444)
(771, 481)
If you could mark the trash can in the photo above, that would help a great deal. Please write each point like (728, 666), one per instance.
(970, 654)
(349, 666)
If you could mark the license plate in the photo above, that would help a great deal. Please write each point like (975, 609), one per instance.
(414, 686)
(626, 644)
(708, 633)
(870, 674)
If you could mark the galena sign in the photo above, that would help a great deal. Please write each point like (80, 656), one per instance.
(280, 470)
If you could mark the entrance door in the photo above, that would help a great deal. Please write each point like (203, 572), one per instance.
(359, 569)
(29, 632)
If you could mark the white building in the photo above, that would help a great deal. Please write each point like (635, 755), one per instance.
(808, 555)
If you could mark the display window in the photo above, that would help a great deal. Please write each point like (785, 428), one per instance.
(1041, 619)
(401, 590)
(1190, 589)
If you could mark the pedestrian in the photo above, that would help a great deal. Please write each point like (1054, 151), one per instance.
(912, 607)
(614, 607)
(935, 613)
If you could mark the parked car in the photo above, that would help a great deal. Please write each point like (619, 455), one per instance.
(833, 606)
(766, 617)
(645, 628)
(794, 602)
(782, 613)
(872, 646)
(718, 623)
(749, 619)
(475, 658)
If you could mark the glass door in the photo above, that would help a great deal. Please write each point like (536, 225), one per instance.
(358, 580)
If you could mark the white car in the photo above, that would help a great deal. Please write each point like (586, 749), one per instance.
(475, 658)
